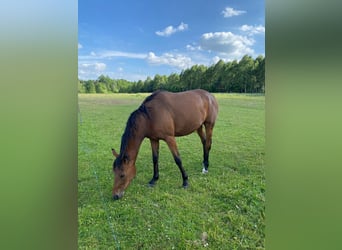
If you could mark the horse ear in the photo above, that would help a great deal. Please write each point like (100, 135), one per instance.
(115, 153)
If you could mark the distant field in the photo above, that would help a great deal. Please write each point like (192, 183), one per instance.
(224, 209)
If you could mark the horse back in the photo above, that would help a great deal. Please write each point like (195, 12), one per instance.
(181, 113)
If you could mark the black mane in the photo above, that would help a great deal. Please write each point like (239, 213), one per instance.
(152, 96)
(132, 125)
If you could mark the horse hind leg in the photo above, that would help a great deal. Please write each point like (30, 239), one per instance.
(207, 146)
(202, 136)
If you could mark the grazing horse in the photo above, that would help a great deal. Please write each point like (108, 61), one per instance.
(162, 116)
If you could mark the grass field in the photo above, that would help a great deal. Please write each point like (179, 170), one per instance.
(224, 209)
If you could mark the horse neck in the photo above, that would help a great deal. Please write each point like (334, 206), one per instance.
(134, 140)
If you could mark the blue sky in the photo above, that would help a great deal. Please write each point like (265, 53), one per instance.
(134, 39)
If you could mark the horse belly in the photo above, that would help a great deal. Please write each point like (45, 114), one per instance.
(187, 124)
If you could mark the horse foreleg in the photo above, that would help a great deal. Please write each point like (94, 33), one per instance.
(171, 142)
(155, 156)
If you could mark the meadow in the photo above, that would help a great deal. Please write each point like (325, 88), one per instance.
(224, 209)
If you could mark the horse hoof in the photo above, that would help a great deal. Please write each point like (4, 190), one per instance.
(204, 171)
(151, 185)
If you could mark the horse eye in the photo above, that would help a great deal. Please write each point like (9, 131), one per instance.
(122, 176)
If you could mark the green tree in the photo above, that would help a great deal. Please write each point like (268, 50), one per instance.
(101, 88)
(246, 69)
(158, 82)
(217, 84)
(81, 88)
(89, 86)
(247, 75)
(260, 74)
(137, 87)
(193, 78)
(173, 83)
(148, 85)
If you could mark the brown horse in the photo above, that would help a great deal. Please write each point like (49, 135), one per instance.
(162, 116)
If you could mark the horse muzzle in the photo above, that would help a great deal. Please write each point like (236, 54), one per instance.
(118, 196)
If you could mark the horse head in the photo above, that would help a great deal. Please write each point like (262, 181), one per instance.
(124, 171)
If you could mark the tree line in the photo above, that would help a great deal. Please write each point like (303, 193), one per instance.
(244, 76)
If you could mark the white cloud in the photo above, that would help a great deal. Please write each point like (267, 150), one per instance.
(175, 60)
(95, 67)
(252, 30)
(227, 44)
(91, 70)
(169, 30)
(193, 48)
(230, 12)
(80, 46)
(100, 66)
(110, 54)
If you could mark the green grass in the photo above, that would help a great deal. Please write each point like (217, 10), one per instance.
(224, 209)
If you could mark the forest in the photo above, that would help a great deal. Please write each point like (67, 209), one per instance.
(244, 76)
